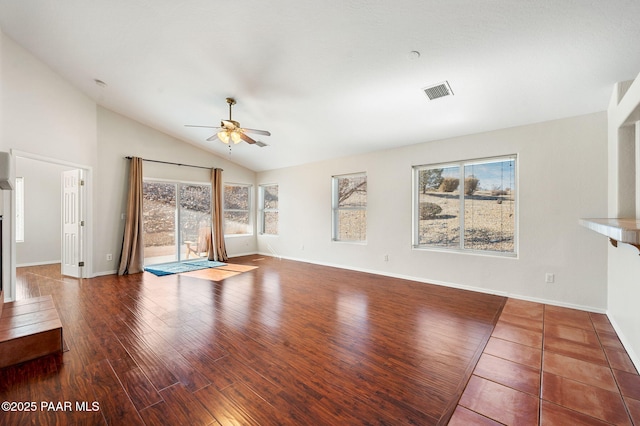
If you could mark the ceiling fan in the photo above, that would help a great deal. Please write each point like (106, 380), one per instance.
(230, 130)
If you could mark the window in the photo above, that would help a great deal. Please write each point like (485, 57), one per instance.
(269, 209)
(469, 205)
(19, 210)
(176, 221)
(237, 209)
(350, 207)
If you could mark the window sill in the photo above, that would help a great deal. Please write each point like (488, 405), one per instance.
(498, 254)
(359, 243)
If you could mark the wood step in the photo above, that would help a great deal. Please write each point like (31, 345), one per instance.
(29, 329)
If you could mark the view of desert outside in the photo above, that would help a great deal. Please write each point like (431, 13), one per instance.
(161, 234)
(237, 214)
(270, 209)
(351, 211)
(488, 201)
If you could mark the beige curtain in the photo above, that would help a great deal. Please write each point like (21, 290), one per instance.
(132, 256)
(217, 250)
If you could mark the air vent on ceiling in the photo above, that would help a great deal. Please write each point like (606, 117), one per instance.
(439, 90)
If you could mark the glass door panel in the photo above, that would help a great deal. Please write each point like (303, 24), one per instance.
(159, 219)
(195, 220)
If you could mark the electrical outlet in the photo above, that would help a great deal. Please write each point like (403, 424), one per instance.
(549, 277)
(109, 257)
(386, 257)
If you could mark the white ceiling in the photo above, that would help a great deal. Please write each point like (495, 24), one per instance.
(334, 77)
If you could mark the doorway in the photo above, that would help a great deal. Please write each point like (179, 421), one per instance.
(45, 235)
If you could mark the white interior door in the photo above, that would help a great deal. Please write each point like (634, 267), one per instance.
(72, 223)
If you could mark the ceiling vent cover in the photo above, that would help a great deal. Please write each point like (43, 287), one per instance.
(439, 90)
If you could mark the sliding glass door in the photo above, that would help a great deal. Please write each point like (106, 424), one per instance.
(194, 219)
(177, 221)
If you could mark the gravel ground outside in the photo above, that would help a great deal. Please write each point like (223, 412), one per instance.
(489, 221)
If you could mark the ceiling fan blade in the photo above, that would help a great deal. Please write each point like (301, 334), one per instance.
(215, 136)
(258, 132)
(195, 125)
(246, 138)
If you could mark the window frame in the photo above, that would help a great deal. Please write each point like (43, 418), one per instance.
(178, 184)
(19, 193)
(250, 225)
(335, 209)
(461, 164)
(262, 210)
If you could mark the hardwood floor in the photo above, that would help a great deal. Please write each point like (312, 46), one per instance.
(286, 343)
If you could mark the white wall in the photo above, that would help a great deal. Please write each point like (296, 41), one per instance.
(119, 137)
(42, 207)
(562, 177)
(42, 115)
(624, 294)
(4, 252)
(623, 261)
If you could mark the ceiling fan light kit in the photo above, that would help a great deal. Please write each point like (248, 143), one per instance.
(230, 130)
(225, 136)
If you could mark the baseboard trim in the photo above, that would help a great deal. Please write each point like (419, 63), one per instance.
(248, 254)
(625, 342)
(46, 262)
(448, 284)
(103, 273)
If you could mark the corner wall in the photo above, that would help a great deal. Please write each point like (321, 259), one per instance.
(624, 194)
(119, 137)
(562, 177)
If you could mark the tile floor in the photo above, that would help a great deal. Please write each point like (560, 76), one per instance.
(551, 366)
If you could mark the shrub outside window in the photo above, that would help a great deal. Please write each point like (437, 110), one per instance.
(350, 207)
(469, 205)
(269, 209)
(237, 209)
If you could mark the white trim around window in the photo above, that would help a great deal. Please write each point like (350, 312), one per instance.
(467, 206)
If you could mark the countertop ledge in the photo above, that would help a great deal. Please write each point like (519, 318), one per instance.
(624, 230)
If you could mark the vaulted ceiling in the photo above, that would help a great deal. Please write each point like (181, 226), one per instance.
(335, 77)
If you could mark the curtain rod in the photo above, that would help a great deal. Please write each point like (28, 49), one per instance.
(175, 164)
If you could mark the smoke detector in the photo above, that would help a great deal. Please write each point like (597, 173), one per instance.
(439, 90)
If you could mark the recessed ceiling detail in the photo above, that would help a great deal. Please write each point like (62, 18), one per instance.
(439, 90)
